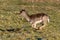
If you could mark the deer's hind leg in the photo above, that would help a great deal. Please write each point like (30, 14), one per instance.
(44, 23)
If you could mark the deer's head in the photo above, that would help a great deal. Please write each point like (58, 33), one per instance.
(23, 12)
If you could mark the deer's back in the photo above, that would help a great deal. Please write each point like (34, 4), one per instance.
(37, 17)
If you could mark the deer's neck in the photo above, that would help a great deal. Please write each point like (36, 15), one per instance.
(26, 16)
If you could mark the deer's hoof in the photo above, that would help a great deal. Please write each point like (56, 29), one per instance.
(40, 28)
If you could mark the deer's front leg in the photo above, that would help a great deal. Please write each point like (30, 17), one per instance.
(34, 26)
(44, 24)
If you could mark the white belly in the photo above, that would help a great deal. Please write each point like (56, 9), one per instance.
(38, 21)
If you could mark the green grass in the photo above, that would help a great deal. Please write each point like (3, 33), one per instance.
(9, 19)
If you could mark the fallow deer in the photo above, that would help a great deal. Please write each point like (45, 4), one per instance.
(35, 19)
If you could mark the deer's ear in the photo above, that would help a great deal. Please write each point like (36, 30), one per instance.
(22, 10)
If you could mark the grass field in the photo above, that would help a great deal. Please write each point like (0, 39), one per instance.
(15, 27)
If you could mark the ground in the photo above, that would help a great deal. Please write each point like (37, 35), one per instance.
(15, 27)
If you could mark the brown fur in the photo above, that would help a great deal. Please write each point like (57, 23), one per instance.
(36, 18)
